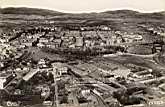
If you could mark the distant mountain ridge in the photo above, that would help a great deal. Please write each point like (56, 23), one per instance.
(13, 16)
(29, 11)
(45, 12)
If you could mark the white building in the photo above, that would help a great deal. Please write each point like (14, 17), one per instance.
(79, 41)
(5, 79)
(2, 81)
(43, 40)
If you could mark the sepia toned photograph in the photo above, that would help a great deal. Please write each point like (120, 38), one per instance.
(82, 53)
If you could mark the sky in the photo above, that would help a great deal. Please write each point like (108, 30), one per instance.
(79, 6)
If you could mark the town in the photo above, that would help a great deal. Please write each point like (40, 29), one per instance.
(82, 66)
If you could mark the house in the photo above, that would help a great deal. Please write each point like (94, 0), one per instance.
(138, 37)
(2, 81)
(72, 46)
(121, 72)
(28, 44)
(41, 45)
(22, 46)
(43, 40)
(47, 103)
(79, 41)
(60, 68)
(156, 102)
(57, 42)
(87, 43)
(42, 63)
(5, 79)
(63, 70)
(103, 27)
(132, 38)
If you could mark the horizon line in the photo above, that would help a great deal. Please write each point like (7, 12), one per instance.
(79, 12)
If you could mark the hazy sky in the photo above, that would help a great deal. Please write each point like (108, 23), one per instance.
(88, 5)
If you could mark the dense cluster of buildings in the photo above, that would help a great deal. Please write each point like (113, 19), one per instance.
(53, 37)
(96, 82)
